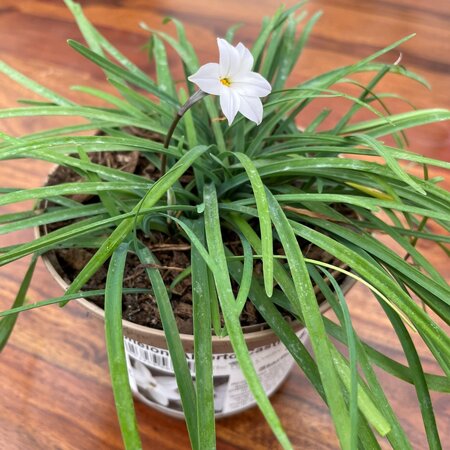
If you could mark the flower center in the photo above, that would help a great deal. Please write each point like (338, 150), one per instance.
(225, 81)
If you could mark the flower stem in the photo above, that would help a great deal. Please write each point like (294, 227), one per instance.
(195, 97)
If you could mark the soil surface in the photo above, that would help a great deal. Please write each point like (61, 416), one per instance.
(172, 252)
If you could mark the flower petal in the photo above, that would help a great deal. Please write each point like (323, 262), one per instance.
(246, 57)
(252, 108)
(229, 59)
(207, 78)
(229, 102)
(251, 84)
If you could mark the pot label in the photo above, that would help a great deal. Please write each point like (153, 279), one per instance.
(152, 378)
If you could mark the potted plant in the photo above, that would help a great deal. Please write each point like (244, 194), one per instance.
(206, 241)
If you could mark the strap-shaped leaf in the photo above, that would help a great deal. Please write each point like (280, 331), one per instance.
(116, 350)
(307, 303)
(436, 339)
(7, 323)
(201, 304)
(423, 394)
(265, 224)
(123, 74)
(174, 344)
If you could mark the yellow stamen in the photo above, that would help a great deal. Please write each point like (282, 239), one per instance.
(225, 81)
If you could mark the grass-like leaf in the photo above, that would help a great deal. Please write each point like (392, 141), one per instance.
(402, 121)
(265, 223)
(202, 345)
(116, 350)
(313, 321)
(228, 305)
(353, 401)
(63, 298)
(438, 341)
(272, 183)
(174, 344)
(123, 74)
(7, 323)
(33, 85)
(420, 383)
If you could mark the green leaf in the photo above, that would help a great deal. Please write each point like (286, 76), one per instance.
(139, 100)
(7, 323)
(227, 302)
(376, 248)
(111, 116)
(202, 345)
(33, 85)
(268, 26)
(272, 52)
(229, 309)
(270, 313)
(423, 394)
(116, 351)
(417, 257)
(86, 28)
(363, 97)
(397, 122)
(365, 403)
(113, 100)
(265, 223)
(390, 161)
(165, 81)
(174, 343)
(229, 35)
(436, 339)
(350, 335)
(307, 303)
(247, 275)
(302, 40)
(108, 201)
(321, 198)
(68, 189)
(333, 76)
(96, 41)
(67, 144)
(37, 218)
(123, 74)
(63, 298)
(294, 345)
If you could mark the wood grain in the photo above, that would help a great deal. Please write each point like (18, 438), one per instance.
(54, 386)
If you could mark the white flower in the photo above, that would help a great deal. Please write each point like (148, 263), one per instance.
(233, 80)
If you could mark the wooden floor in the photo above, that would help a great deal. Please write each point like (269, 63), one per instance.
(54, 387)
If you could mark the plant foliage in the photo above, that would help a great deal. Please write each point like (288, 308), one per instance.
(272, 184)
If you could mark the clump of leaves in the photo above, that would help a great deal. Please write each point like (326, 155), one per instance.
(289, 180)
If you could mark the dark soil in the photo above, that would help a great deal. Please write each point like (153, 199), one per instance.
(173, 254)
